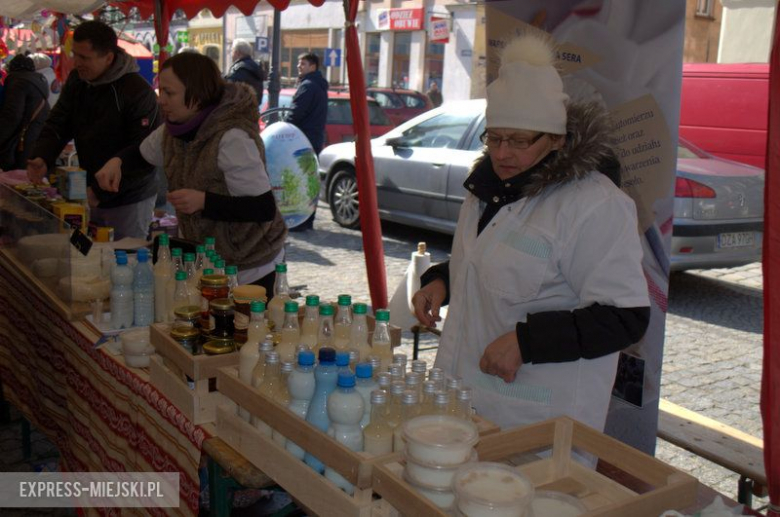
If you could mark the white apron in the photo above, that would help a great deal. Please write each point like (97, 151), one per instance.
(570, 247)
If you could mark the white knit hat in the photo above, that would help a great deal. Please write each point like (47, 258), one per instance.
(528, 93)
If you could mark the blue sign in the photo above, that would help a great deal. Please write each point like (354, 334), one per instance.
(332, 57)
(261, 44)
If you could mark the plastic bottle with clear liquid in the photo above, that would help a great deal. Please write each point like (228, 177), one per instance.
(210, 243)
(232, 274)
(269, 387)
(258, 372)
(358, 334)
(429, 390)
(380, 344)
(177, 265)
(342, 323)
(283, 396)
(410, 408)
(200, 258)
(182, 296)
(121, 294)
(365, 384)
(291, 333)
(378, 435)
(301, 386)
(325, 326)
(219, 267)
(143, 290)
(342, 361)
(281, 295)
(258, 326)
(345, 410)
(326, 378)
(248, 357)
(162, 275)
(310, 322)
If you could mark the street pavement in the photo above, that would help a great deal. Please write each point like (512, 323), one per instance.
(713, 349)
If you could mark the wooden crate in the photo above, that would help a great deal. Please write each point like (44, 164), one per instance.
(309, 488)
(167, 373)
(664, 487)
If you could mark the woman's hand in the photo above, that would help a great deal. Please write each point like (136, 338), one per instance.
(187, 200)
(502, 357)
(36, 170)
(427, 302)
(92, 199)
(110, 175)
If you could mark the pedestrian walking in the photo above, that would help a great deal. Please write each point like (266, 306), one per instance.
(245, 70)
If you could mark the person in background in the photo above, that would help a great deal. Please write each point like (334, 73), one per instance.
(104, 106)
(434, 94)
(309, 110)
(43, 67)
(215, 164)
(22, 113)
(245, 70)
(545, 283)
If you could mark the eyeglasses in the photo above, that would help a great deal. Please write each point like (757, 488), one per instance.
(518, 144)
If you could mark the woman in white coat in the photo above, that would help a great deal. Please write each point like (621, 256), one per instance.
(545, 283)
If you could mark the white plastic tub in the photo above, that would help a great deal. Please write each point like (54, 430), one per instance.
(440, 439)
(492, 489)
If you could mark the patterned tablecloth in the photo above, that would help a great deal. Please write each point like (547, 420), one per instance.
(101, 415)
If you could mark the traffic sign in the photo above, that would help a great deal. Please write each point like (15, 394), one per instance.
(333, 57)
(261, 44)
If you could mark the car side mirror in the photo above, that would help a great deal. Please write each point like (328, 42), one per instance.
(397, 141)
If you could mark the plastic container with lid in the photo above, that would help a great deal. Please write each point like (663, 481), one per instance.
(492, 489)
(444, 498)
(433, 476)
(550, 502)
(440, 439)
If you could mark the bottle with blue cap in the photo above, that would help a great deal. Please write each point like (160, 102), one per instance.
(365, 384)
(345, 410)
(342, 361)
(326, 379)
(143, 290)
(301, 386)
(121, 294)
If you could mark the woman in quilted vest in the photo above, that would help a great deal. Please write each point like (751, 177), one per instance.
(214, 160)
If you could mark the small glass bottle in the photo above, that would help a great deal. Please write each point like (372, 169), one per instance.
(454, 384)
(394, 410)
(342, 322)
(428, 394)
(384, 381)
(210, 254)
(437, 375)
(325, 328)
(232, 273)
(269, 388)
(358, 336)
(419, 366)
(354, 358)
(397, 372)
(410, 408)
(464, 409)
(310, 323)
(413, 381)
(378, 435)
(221, 318)
(400, 359)
(248, 357)
(381, 344)
(211, 288)
(441, 403)
(283, 396)
(376, 364)
(291, 333)
(281, 294)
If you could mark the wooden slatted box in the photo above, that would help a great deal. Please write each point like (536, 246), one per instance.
(663, 486)
(167, 374)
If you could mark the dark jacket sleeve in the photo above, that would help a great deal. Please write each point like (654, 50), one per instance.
(141, 115)
(587, 333)
(12, 112)
(58, 129)
(301, 103)
(439, 271)
(252, 209)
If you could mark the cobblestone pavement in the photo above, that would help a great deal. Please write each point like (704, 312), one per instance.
(713, 348)
(712, 360)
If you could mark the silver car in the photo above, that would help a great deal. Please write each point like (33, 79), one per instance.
(718, 211)
(421, 165)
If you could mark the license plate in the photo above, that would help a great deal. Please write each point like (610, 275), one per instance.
(736, 240)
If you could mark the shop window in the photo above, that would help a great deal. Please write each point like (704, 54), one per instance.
(372, 58)
(434, 63)
(401, 51)
(295, 43)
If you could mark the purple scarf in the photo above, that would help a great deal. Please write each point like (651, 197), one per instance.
(191, 125)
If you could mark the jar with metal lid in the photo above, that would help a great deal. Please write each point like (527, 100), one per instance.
(187, 316)
(188, 337)
(219, 346)
(221, 318)
(211, 288)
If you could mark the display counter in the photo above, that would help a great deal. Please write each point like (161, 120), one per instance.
(101, 415)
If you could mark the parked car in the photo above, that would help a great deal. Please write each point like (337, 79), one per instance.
(718, 211)
(400, 105)
(420, 168)
(338, 127)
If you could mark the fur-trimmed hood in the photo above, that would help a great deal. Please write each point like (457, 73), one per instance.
(588, 148)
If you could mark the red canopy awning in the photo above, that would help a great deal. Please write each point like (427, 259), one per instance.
(192, 7)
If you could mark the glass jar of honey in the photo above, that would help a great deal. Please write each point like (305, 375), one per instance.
(188, 338)
(222, 317)
(187, 316)
(211, 288)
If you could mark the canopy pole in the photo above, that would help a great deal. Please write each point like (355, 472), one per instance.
(162, 24)
(364, 165)
(274, 77)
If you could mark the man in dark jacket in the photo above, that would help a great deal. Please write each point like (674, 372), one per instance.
(245, 70)
(105, 106)
(23, 112)
(310, 103)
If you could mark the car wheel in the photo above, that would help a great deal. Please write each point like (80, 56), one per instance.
(343, 198)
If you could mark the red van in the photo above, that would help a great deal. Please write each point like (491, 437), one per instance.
(725, 109)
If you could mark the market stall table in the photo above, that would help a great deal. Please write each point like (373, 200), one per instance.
(100, 414)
